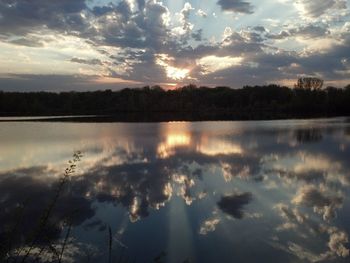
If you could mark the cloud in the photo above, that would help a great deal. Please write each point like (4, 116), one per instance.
(185, 12)
(208, 226)
(133, 35)
(87, 61)
(233, 204)
(210, 64)
(307, 176)
(201, 13)
(33, 189)
(308, 31)
(197, 35)
(292, 216)
(28, 41)
(21, 16)
(237, 6)
(317, 8)
(74, 251)
(302, 253)
(136, 186)
(260, 29)
(321, 200)
(186, 27)
(79, 82)
(303, 224)
(134, 178)
(172, 72)
(337, 243)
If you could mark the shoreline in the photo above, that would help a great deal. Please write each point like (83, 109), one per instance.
(154, 119)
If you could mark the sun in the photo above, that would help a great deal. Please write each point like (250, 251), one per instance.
(174, 73)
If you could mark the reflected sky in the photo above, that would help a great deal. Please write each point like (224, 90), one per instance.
(203, 192)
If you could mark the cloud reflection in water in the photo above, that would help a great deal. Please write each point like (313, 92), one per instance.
(299, 193)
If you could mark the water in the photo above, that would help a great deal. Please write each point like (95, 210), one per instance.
(266, 191)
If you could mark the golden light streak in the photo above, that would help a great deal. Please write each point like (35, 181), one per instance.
(172, 72)
(167, 148)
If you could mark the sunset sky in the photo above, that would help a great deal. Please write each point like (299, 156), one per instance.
(98, 44)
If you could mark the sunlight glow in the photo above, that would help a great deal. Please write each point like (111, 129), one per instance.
(166, 148)
(210, 64)
(172, 72)
(174, 140)
(176, 73)
(216, 147)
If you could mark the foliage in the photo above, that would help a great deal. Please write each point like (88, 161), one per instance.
(18, 248)
(187, 103)
(309, 83)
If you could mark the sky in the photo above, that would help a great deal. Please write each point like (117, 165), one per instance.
(57, 45)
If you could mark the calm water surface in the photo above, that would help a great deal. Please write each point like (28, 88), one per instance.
(268, 191)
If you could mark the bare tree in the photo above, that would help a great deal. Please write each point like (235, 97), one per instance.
(309, 83)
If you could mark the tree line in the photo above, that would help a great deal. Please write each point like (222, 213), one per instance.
(186, 103)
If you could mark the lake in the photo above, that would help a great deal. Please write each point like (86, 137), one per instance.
(254, 191)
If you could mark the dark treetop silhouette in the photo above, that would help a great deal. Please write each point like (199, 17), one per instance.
(186, 103)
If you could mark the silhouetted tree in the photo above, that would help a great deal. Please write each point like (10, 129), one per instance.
(309, 83)
(186, 103)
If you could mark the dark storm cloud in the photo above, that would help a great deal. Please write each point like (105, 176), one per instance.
(237, 6)
(234, 204)
(22, 16)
